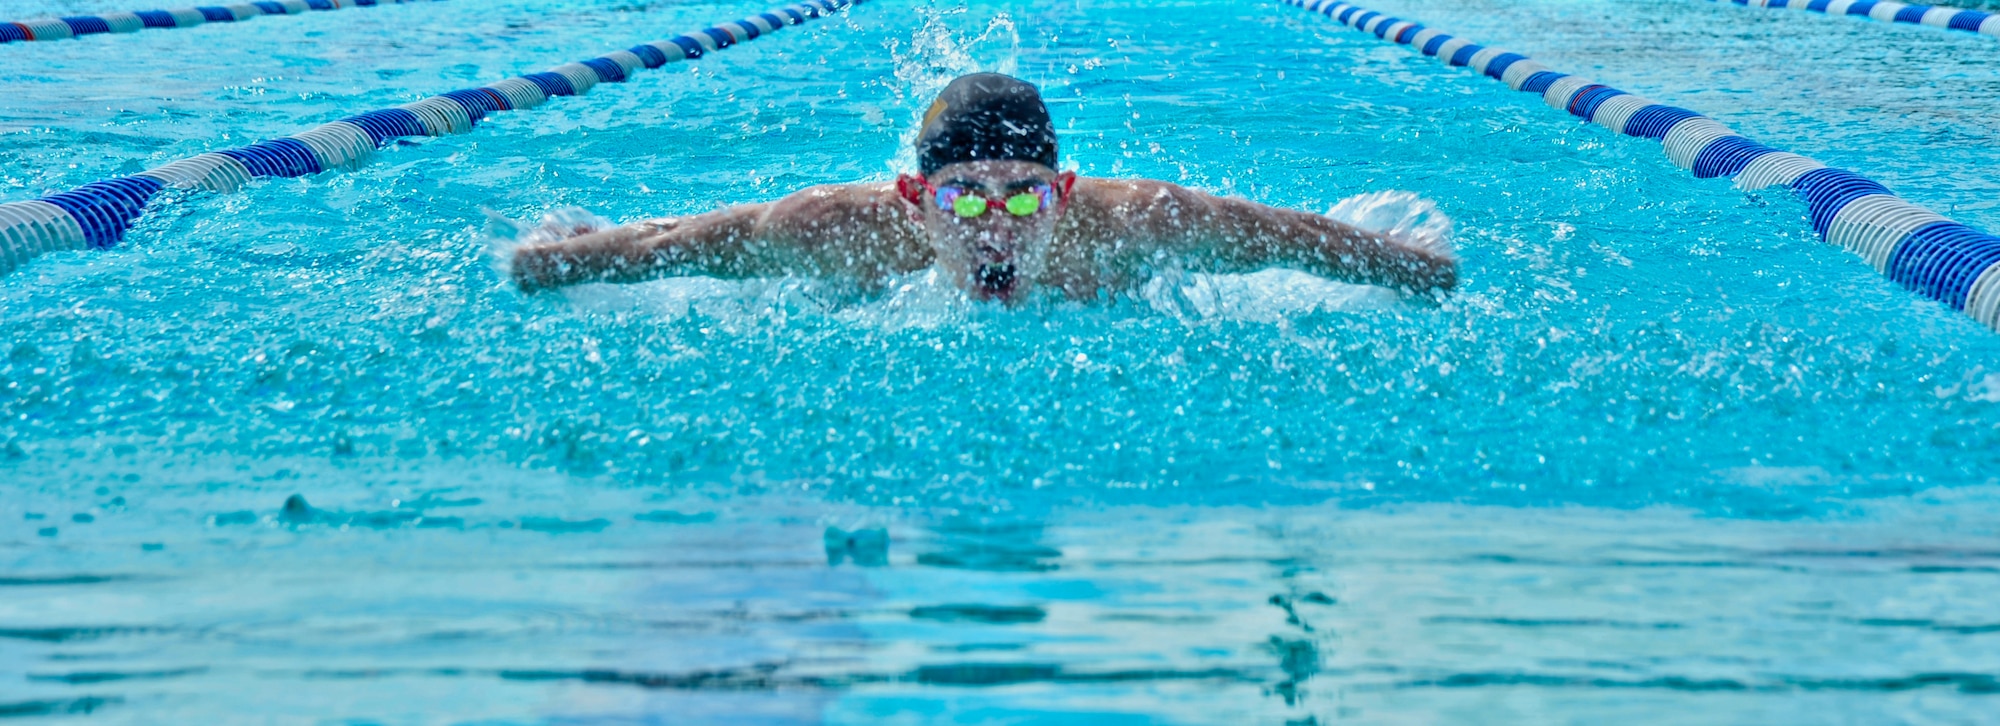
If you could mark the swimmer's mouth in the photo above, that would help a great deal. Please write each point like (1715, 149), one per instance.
(995, 280)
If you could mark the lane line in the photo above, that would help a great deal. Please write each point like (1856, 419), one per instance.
(77, 26)
(1940, 259)
(96, 215)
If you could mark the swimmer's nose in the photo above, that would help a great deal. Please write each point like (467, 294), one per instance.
(996, 247)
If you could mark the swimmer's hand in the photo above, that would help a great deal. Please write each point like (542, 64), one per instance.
(554, 227)
(565, 250)
(561, 224)
(1410, 223)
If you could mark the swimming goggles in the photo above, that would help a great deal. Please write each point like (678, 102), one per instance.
(969, 204)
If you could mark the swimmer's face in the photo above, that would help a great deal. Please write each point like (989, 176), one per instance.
(990, 238)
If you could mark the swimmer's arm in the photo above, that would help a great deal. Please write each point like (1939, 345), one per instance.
(639, 251)
(1237, 235)
(846, 229)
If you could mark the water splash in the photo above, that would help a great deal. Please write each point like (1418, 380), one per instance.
(503, 236)
(938, 52)
(1399, 214)
(1270, 296)
(922, 300)
(1273, 296)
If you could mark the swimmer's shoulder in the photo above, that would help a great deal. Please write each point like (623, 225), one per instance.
(865, 226)
(829, 206)
(825, 199)
(1111, 194)
(1129, 214)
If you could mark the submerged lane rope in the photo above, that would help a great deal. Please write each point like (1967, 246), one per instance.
(1971, 21)
(1916, 247)
(81, 25)
(97, 214)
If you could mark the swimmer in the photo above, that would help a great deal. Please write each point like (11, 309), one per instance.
(991, 212)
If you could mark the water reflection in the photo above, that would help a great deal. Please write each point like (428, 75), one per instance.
(772, 610)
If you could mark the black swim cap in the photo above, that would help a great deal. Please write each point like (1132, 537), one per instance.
(986, 116)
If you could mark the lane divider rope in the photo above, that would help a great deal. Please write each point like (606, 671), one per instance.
(1920, 249)
(1971, 21)
(81, 25)
(96, 215)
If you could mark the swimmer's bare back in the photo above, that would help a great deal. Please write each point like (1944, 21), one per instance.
(1109, 231)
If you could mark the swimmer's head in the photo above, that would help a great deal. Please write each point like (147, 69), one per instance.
(986, 116)
(989, 196)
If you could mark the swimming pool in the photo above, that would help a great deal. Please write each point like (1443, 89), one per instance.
(1665, 456)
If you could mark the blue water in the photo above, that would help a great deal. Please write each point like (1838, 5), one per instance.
(1665, 457)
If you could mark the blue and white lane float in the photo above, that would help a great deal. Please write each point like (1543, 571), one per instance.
(96, 215)
(1971, 21)
(1920, 249)
(81, 25)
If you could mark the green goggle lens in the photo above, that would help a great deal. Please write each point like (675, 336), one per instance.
(970, 205)
(1024, 204)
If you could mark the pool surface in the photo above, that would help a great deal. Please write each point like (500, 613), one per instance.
(300, 454)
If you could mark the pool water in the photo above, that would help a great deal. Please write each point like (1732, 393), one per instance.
(1664, 457)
